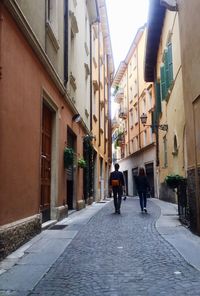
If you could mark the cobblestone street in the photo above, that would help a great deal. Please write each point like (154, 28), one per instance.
(120, 255)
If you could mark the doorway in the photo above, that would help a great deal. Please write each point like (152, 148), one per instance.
(134, 174)
(71, 141)
(45, 197)
(150, 175)
(126, 181)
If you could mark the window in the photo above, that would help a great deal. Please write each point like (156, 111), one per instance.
(145, 138)
(144, 105)
(166, 71)
(165, 151)
(52, 16)
(149, 97)
(131, 119)
(136, 115)
(52, 22)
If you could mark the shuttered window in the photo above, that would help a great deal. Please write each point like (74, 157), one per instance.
(166, 72)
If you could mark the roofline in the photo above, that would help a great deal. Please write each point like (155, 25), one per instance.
(106, 33)
(123, 64)
(156, 17)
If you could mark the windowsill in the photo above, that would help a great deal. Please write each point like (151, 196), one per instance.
(52, 36)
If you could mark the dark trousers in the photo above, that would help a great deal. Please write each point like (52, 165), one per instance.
(143, 199)
(117, 195)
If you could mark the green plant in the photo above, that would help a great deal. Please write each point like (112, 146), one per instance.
(68, 157)
(173, 180)
(82, 163)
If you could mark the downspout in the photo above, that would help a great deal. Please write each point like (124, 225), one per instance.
(99, 83)
(138, 100)
(45, 21)
(104, 93)
(109, 114)
(65, 42)
(128, 123)
(1, 24)
(91, 103)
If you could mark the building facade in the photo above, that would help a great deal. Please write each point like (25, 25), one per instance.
(45, 107)
(163, 67)
(134, 143)
(190, 54)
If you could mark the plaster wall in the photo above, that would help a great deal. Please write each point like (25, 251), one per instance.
(23, 85)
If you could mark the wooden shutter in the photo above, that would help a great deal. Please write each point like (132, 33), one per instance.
(158, 98)
(166, 62)
(170, 63)
(162, 82)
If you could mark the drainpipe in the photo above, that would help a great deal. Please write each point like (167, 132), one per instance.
(138, 99)
(65, 42)
(1, 24)
(98, 62)
(91, 103)
(128, 123)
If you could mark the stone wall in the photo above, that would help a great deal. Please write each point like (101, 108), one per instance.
(14, 235)
(167, 194)
(192, 199)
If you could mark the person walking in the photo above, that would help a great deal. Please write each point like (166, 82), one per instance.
(116, 183)
(142, 186)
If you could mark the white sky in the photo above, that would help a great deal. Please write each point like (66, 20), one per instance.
(125, 18)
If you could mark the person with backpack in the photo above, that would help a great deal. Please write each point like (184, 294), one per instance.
(116, 183)
(142, 186)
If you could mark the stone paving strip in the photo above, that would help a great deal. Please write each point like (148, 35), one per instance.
(107, 254)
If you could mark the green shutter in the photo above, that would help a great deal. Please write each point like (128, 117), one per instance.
(162, 82)
(153, 121)
(166, 62)
(170, 63)
(158, 98)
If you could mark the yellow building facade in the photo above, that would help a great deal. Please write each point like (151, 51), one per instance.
(163, 67)
(134, 143)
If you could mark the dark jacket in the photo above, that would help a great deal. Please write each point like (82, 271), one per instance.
(116, 175)
(142, 183)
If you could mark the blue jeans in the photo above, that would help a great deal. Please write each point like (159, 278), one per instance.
(117, 195)
(143, 199)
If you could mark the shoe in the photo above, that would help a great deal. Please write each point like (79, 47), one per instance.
(145, 210)
(124, 198)
(118, 212)
(142, 210)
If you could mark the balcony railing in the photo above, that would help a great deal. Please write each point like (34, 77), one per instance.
(115, 123)
(123, 113)
(119, 96)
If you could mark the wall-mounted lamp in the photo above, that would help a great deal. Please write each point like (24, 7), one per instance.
(76, 118)
(91, 137)
(163, 127)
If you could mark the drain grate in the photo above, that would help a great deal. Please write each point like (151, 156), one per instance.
(57, 227)
(170, 214)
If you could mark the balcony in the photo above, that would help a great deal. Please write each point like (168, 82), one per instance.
(119, 96)
(123, 113)
(115, 123)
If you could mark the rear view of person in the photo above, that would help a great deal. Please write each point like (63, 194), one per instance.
(116, 183)
(142, 186)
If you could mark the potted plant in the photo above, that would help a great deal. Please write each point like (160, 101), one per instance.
(68, 157)
(173, 180)
(82, 163)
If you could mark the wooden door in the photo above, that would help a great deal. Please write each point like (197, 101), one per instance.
(46, 163)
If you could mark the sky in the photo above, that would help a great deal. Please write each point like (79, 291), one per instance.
(125, 17)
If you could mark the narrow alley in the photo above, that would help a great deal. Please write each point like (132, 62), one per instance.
(108, 254)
